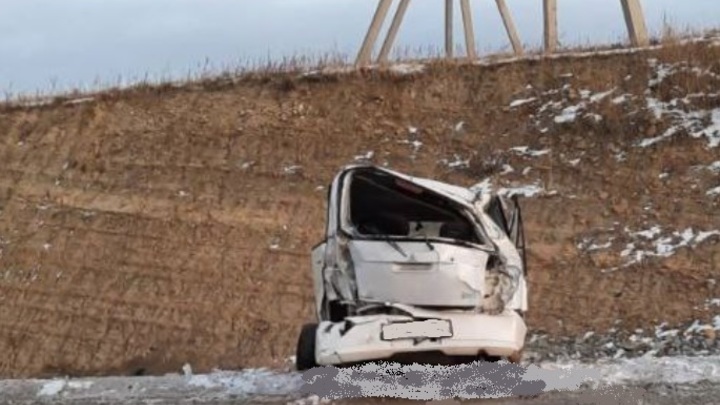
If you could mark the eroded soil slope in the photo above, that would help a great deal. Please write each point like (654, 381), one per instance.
(148, 228)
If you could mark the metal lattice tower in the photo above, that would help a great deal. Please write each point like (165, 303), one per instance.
(632, 10)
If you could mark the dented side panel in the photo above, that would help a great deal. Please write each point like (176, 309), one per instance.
(510, 290)
(337, 271)
(318, 266)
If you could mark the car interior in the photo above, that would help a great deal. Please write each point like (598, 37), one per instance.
(384, 205)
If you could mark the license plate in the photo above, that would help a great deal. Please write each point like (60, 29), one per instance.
(430, 329)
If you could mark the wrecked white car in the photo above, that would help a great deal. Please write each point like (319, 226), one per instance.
(415, 270)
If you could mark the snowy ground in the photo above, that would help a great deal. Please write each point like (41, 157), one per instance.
(662, 377)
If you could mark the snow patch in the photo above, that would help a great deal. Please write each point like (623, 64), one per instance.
(662, 72)
(407, 68)
(651, 243)
(292, 169)
(526, 151)
(414, 144)
(621, 99)
(595, 98)
(692, 122)
(696, 328)
(249, 382)
(668, 370)
(80, 385)
(702, 236)
(595, 117)
(528, 191)
(82, 100)
(569, 114)
(518, 103)
(712, 132)
(524, 191)
(52, 388)
(366, 157)
(648, 234)
(457, 163)
(652, 141)
(715, 302)
(595, 247)
(507, 169)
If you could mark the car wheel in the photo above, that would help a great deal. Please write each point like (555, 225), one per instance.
(305, 353)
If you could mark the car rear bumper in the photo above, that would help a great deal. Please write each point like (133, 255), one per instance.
(472, 335)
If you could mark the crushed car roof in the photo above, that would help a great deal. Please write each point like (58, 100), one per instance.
(457, 193)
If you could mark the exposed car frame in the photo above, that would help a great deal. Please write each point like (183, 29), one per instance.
(415, 269)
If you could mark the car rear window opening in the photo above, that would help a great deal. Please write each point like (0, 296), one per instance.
(384, 205)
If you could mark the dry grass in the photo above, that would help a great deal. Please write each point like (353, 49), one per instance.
(333, 65)
(136, 227)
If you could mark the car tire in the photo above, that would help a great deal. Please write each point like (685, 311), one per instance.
(305, 352)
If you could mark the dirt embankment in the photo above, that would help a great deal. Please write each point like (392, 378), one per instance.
(148, 228)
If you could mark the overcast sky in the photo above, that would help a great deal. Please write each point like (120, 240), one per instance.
(71, 43)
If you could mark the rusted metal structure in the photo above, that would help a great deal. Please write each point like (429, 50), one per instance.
(632, 9)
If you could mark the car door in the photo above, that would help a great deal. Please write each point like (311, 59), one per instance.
(508, 216)
(517, 229)
(332, 268)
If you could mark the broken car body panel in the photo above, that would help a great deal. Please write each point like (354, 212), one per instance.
(405, 249)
